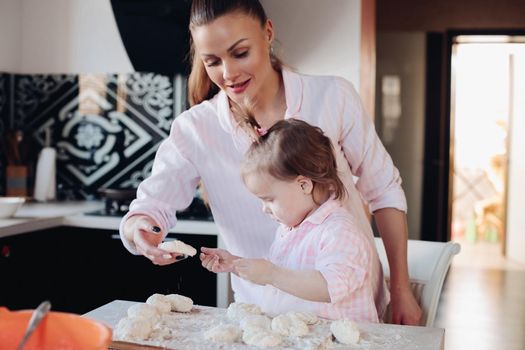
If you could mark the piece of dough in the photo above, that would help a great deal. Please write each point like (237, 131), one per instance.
(177, 246)
(133, 328)
(223, 333)
(144, 310)
(305, 316)
(260, 338)
(290, 324)
(180, 303)
(256, 321)
(237, 311)
(345, 331)
(159, 301)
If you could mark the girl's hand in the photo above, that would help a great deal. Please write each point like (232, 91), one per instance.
(258, 271)
(217, 260)
(146, 235)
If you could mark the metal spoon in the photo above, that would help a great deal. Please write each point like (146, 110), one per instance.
(37, 316)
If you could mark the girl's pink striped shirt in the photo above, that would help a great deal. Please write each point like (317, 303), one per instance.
(329, 241)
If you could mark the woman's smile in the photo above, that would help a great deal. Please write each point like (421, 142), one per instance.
(239, 87)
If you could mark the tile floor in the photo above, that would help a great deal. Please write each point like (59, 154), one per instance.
(482, 305)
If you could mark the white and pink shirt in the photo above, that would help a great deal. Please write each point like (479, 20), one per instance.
(329, 241)
(205, 144)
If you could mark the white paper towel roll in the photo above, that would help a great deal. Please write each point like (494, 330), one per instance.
(45, 181)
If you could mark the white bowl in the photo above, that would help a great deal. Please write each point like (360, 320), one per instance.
(9, 206)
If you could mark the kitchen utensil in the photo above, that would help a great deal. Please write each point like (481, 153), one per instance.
(58, 330)
(37, 316)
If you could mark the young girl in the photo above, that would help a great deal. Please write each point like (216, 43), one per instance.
(320, 261)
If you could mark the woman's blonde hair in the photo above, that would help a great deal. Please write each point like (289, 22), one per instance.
(291, 148)
(200, 86)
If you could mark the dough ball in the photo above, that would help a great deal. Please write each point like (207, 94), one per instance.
(180, 303)
(345, 331)
(145, 311)
(289, 324)
(261, 338)
(237, 311)
(177, 246)
(133, 328)
(305, 316)
(159, 301)
(256, 321)
(161, 331)
(223, 334)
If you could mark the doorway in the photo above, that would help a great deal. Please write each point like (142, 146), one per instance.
(485, 89)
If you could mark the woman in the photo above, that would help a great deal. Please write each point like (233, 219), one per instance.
(233, 63)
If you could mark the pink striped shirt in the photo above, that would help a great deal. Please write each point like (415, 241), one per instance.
(206, 144)
(329, 241)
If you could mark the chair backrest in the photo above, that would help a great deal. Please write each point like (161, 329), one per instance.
(428, 263)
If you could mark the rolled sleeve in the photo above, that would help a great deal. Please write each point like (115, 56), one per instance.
(343, 260)
(379, 180)
(171, 185)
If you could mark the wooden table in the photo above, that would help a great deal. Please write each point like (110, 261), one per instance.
(374, 336)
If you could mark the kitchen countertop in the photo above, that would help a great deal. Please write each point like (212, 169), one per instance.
(34, 216)
(374, 336)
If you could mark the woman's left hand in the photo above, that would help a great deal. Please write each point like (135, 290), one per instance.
(405, 309)
(258, 271)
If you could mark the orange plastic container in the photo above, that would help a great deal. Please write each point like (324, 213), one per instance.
(57, 331)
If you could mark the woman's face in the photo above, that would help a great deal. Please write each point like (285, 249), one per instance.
(234, 49)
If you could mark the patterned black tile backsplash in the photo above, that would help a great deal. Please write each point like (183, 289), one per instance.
(105, 127)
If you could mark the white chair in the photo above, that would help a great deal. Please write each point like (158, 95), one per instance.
(428, 264)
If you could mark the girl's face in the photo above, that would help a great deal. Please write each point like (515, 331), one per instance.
(288, 202)
(234, 49)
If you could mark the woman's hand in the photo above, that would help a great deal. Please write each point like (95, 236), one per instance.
(217, 260)
(146, 235)
(405, 309)
(258, 271)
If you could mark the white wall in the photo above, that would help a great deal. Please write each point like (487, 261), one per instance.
(62, 36)
(10, 34)
(515, 242)
(318, 37)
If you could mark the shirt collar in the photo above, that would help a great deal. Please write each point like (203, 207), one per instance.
(293, 92)
(321, 213)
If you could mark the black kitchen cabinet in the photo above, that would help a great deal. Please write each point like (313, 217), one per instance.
(80, 269)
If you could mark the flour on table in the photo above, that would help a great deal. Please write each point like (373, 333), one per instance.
(223, 333)
(237, 311)
(345, 331)
(160, 301)
(289, 324)
(180, 303)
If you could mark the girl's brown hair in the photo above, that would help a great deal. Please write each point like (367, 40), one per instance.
(292, 147)
(200, 87)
